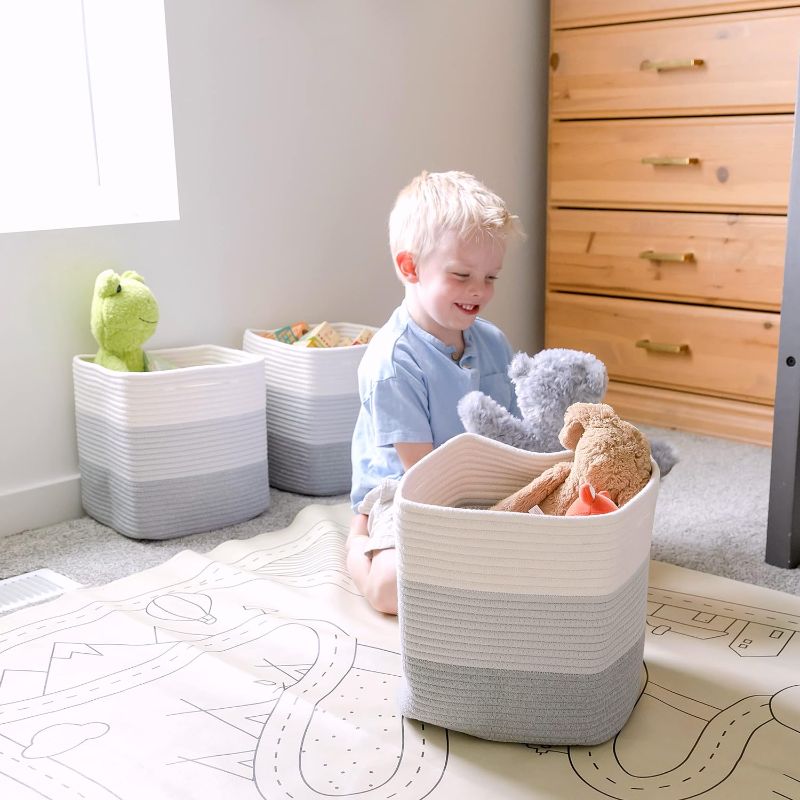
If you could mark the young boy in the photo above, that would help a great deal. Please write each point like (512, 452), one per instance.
(447, 234)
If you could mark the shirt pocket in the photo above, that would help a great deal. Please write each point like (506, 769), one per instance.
(498, 386)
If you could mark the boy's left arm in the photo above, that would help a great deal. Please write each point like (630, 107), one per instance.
(411, 452)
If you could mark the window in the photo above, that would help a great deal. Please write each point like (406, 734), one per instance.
(86, 137)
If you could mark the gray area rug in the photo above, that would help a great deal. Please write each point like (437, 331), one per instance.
(711, 517)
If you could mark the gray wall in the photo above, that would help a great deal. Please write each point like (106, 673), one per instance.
(296, 123)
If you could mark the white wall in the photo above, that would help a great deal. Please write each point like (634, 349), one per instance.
(296, 123)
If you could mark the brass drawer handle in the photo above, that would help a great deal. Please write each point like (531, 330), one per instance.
(662, 347)
(671, 161)
(669, 64)
(655, 255)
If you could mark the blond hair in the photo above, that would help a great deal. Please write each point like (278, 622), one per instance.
(439, 201)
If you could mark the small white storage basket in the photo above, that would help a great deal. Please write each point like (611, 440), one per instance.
(517, 627)
(312, 406)
(173, 452)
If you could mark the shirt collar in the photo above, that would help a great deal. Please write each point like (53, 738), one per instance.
(448, 350)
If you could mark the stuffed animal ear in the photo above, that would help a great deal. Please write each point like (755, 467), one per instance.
(134, 276)
(520, 366)
(576, 419)
(571, 434)
(107, 283)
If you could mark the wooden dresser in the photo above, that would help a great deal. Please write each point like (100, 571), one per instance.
(670, 133)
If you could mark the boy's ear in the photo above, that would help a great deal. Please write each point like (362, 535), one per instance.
(407, 267)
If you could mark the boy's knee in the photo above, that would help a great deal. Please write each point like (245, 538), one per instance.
(382, 596)
(381, 589)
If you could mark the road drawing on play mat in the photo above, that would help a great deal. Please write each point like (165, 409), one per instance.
(750, 632)
(245, 678)
(275, 765)
(712, 758)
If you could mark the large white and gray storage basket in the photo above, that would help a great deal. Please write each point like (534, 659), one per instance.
(175, 451)
(312, 406)
(517, 627)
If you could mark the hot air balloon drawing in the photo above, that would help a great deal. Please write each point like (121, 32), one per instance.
(180, 606)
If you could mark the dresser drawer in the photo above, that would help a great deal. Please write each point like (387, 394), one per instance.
(722, 352)
(714, 163)
(576, 13)
(732, 64)
(717, 259)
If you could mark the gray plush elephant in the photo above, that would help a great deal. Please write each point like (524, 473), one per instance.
(546, 385)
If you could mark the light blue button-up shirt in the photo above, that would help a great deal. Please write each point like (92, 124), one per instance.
(410, 386)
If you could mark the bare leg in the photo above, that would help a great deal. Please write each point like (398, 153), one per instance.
(374, 576)
(358, 564)
(382, 587)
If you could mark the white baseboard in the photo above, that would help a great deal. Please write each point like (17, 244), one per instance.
(43, 504)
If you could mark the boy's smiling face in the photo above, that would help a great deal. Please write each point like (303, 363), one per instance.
(451, 284)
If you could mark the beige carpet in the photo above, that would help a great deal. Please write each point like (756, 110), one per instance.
(258, 672)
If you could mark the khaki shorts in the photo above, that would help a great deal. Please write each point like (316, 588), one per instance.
(378, 505)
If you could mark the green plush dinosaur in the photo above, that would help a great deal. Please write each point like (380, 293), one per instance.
(124, 317)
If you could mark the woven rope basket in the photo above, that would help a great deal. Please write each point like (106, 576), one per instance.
(312, 406)
(517, 627)
(173, 452)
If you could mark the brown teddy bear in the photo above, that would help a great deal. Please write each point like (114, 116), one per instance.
(610, 454)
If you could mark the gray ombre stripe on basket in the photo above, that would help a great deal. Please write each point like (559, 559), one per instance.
(523, 705)
(533, 632)
(166, 451)
(317, 470)
(309, 442)
(313, 417)
(165, 508)
(163, 481)
(536, 668)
